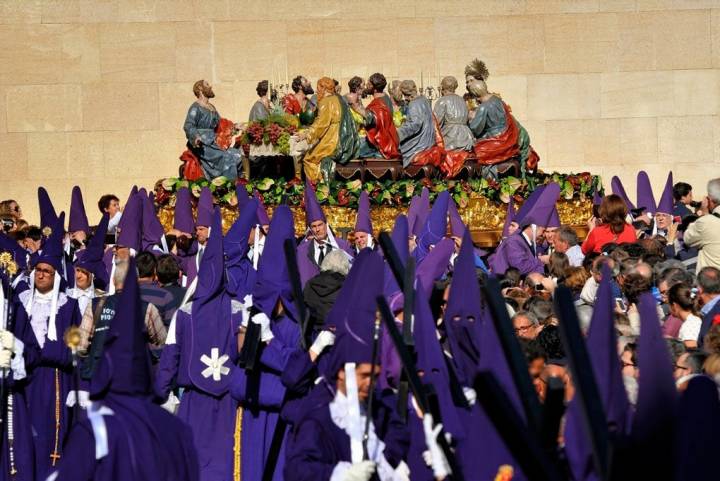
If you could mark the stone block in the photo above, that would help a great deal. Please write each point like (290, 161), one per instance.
(137, 52)
(47, 156)
(583, 144)
(306, 53)
(636, 42)
(245, 96)
(555, 97)
(617, 5)
(193, 53)
(715, 29)
(80, 11)
(14, 161)
(562, 6)
(636, 94)
(696, 92)
(120, 106)
(683, 39)
(30, 54)
(80, 54)
(416, 34)
(460, 8)
(593, 37)
(537, 131)
(149, 154)
(512, 88)
(509, 44)
(137, 11)
(638, 141)
(686, 140)
(240, 55)
(20, 11)
(348, 46)
(43, 108)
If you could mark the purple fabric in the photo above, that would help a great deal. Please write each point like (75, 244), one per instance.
(422, 212)
(542, 210)
(515, 252)
(363, 223)
(243, 198)
(666, 205)
(205, 208)
(618, 189)
(509, 218)
(698, 431)
(457, 227)
(602, 349)
(52, 249)
(431, 360)
(653, 422)
(273, 282)
(597, 198)
(399, 238)
(183, 212)
(554, 219)
(435, 264)
(239, 269)
(463, 311)
(354, 325)
(91, 258)
(152, 232)
(262, 214)
(211, 326)
(48, 217)
(10, 245)
(78, 220)
(435, 227)
(313, 211)
(645, 198)
(529, 203)
(131, 223)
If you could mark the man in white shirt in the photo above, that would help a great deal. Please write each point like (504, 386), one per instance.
(566, 242)
(704, 233)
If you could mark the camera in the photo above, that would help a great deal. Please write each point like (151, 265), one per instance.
(7, 225)
(695, 204)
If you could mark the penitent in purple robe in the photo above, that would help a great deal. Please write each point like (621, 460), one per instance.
(515, 251)
(124, 436)
(201, 352)
(49, 371)
(261, 392)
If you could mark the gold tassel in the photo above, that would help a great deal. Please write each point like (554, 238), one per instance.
(237, 449)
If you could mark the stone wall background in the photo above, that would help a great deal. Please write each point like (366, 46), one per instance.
(94, 92)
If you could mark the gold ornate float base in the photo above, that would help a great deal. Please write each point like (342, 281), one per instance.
(484, 218)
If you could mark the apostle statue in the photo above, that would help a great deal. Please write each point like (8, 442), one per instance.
(382, 139)
(261, 108)
(451, 113)
(332, 137)
(300, 102)
(208, 137)
(500, 137)
(418, 139)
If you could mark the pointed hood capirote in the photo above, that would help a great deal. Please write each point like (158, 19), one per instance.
(273, 280)
(263, 217)
(130, 226)
(51, 251)
(125, 365)
(48, 217)
(152, 231)
(213, 338)
(239, 271)
(313, 211)
(645, 197)
(418, 212)
(363, 223)
(509, 217)
(541, 213)
(205, 208)
(435, 226)
(666, 205)
(91, 258)
(601, 347)
(619, 189)
(183, 211)
(529, 203)
(242, 196)
(457, 226)
(354, 320)
(78, 220)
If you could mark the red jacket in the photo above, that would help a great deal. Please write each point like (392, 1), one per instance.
(383, 134)
(602, 235)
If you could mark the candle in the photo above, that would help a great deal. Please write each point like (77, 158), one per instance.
(286, 72)
(421, 81)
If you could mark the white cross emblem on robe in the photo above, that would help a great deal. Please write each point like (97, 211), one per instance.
(215, 365)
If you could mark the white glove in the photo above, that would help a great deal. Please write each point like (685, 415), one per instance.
(171, 404)
(84, 399)
(440, 466)
(325, 339)
(5, 358)
(361, 471)
(264, 322)
(7, 340)
(470, 395)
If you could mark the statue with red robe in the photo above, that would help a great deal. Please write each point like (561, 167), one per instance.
(382, 139)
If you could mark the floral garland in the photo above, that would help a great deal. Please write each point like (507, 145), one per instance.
(388, 193)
